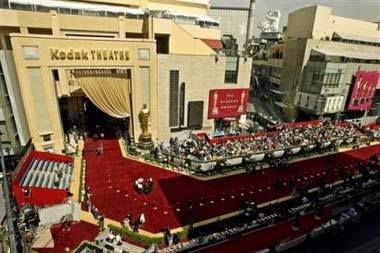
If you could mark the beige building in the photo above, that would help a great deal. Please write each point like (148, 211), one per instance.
(117, 55)
(311, 71)
(13, 126)
(233, 22)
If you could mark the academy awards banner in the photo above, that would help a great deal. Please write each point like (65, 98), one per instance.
(227, 103)
(364, 90)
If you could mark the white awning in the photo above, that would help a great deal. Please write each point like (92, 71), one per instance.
(356, 37)
(80, 6)
(204, 2)
(348, 54)
(194, 16)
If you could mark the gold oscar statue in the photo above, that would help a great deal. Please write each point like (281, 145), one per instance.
(145, 139)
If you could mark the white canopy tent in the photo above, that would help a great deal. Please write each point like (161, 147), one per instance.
(80, 6)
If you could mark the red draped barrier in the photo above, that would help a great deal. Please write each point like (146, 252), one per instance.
(234, 138)
(372, 126)
(203, 135)
(301, 124)
(242, 137)
(39, 195)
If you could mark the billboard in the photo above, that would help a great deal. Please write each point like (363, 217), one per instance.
(363, 90)
(227, 103)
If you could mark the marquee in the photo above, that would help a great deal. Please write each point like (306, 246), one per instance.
(227, 103)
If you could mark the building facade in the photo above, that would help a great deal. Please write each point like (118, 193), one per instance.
(69, 54)
(311, 72)
(235, 21)
(14, 129)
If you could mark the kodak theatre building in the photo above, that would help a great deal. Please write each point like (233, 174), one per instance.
(58, 56)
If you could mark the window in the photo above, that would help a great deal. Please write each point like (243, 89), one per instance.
(8, 43)
(307, 101)
(64, 10)
(232, 68)
(195, 114)
(144, 54)
(30, 52)
(182, 104)
(32, 30)
(173, 98)
(46, 137)
(332, 79)
(13, 125)
(23, 7)
(55, 75)
(177, 100)
(45, 9)
(93, 13)
(162, 42)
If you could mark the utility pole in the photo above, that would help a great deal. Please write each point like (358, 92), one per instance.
(251, 13)
(7, 202)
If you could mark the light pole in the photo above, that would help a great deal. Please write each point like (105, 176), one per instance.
(7, 203)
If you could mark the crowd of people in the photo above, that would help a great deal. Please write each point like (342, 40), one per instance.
(93, 209)
(134, 225)
(305, 201)
(286, 137)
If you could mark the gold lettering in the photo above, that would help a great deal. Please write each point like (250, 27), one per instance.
(99, 54)
(70, 54)
(54, 54)
(84, 54)
(77, 55)
(127, 55)
(62, 55)
(93, 54)
(111, 55)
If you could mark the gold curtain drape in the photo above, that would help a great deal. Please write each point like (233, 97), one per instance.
(108, 91)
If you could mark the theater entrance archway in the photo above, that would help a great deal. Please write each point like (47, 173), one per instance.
(102, 99)
(78, 112)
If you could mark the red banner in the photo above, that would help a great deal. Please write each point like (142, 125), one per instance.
(227, 103)
(364, 90)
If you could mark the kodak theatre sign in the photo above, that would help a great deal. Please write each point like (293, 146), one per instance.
(89, 54)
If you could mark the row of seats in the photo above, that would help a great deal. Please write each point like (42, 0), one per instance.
(47, 174)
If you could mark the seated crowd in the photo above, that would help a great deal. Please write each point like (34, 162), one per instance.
(287, 137)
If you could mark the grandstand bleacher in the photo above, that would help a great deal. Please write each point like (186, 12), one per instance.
(44, 173)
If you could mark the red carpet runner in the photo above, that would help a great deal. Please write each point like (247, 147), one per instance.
(111, 178)
(78, 232)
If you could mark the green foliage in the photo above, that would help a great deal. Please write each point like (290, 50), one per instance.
(142, 238)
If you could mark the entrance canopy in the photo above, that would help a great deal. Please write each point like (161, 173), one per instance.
(108, 89)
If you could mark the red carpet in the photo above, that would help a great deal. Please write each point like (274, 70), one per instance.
(79, 232)
(269, 236)
(111, 178)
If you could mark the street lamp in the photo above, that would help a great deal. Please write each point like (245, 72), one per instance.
(7, 203)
